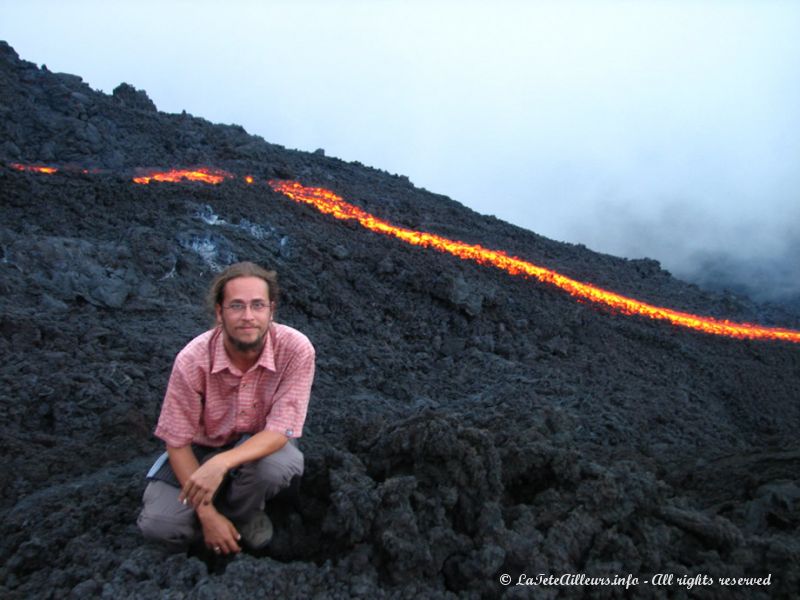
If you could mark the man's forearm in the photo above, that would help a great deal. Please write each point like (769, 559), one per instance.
(199, 483)
(183, 462)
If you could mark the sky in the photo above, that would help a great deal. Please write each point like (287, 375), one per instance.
(666, 129)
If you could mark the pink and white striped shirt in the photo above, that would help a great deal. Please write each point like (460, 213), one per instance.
(210, 402)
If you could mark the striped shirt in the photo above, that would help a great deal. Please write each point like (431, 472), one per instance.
(212, 403)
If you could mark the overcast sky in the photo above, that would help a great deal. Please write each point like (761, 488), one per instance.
(668, 129)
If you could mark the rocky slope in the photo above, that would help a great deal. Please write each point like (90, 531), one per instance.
(464, 423)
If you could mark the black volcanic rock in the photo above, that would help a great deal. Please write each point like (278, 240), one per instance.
(129, 97)
(464, 423)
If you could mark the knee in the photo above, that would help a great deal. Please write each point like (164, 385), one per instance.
(174, 529)
(153, 529)
(279, 468)
(176, 536)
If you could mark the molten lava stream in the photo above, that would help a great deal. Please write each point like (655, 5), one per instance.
(329, 203)
(213, 176)
(34, 168)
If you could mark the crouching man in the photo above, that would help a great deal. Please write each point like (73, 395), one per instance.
(236, 400)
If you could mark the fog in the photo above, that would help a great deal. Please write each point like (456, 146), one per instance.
(659, 129)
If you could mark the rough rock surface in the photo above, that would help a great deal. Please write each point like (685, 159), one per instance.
(464, 423)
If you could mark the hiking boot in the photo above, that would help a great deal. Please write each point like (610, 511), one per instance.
(257, 532)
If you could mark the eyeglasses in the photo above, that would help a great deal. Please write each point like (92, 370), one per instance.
(256, 306)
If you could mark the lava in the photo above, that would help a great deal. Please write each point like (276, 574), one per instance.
(213, 176)
(34, 168)
(329, 203)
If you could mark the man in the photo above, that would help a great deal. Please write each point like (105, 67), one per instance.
(237, 394)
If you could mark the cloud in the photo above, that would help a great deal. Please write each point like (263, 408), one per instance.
(759, 257)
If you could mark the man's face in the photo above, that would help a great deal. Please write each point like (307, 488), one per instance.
(245, 329)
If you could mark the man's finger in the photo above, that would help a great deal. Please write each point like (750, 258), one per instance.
(230, 546)
(186, 492)
(236, 538)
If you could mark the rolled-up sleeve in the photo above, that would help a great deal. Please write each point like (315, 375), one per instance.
(287, 414)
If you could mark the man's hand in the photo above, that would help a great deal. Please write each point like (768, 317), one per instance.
(219, 533)
(201, 485)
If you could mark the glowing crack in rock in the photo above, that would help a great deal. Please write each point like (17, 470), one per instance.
(329, 203)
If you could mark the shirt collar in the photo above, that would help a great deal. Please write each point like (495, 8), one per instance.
(222, 361)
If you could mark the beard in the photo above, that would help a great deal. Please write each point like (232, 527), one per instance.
(245, 346)
(241, 346)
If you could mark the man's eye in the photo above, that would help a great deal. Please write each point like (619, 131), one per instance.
(237, 306)
(259, 305)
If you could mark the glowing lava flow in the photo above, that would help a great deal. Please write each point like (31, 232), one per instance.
(214, 176)
(34, 168)
(329, 203)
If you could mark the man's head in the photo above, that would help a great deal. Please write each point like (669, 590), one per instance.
(244, 297)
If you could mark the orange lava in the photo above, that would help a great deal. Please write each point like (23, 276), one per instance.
(329, 203)
(34, 168)
(213, 176)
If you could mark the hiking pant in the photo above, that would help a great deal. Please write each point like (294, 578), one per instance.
(242, 493)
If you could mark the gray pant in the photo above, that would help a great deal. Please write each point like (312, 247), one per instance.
(243, 492)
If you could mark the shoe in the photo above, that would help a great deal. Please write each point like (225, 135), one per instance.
(257, 532)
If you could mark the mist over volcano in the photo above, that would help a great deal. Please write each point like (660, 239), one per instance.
(464, 423)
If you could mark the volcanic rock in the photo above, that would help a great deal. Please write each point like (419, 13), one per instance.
(129, 97)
